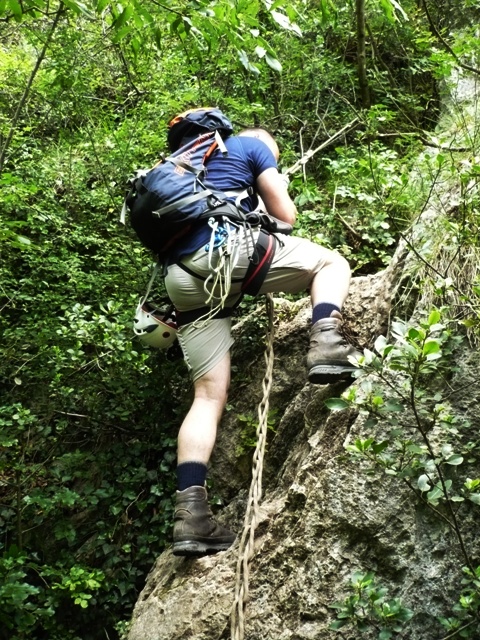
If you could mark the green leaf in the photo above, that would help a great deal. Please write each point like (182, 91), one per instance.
(380, 344)
(338, 624)
(413, 333)
(371, 421)
(455, 460)
(392, 405)
(363, 445)
(242, 56)
(24, 240)
(77, 7)
(423, 483)
(273, 63)
(284, 21)
(15, 8)
(101, 5)
(431, 346)
(471, 484)
(434, 495)
(336, 404)
(434, 317)
(416, 448)
(123, 17)
(378, 447)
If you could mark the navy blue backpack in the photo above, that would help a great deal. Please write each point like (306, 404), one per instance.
(168, 199)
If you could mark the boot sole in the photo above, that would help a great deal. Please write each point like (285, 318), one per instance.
(328, 374)
(194, 548)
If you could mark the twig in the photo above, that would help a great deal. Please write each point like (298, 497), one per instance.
(26, 93)
(342, 220)
(438, 35)
(457, 631)
(309, 154)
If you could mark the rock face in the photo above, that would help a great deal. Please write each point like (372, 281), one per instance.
(322, 515)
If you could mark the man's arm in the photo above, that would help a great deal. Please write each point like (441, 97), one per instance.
(272, 190)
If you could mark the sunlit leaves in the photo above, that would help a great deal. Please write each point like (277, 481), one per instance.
(284, 21)
(391, 8)
(201, 27)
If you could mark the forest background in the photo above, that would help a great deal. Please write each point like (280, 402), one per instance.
(88, 416)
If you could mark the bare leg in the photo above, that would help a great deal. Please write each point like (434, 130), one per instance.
(196, 532)
(198, 432)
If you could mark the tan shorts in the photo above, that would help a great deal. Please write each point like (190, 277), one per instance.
(204, 344)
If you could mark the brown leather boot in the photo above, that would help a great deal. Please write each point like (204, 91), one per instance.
(327, 359)
(195, 532)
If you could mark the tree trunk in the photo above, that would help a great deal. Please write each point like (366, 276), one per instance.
(361, 53)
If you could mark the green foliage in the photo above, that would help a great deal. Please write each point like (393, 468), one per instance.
(368, 609)
(432, 449)
(89, 417)
(32, 592)
(249, 431)
(464, 624)
(366, 199)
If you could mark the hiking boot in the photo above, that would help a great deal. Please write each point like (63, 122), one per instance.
(327, 359)
(195, 532)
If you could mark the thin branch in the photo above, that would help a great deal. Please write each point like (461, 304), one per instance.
(309, 154)
(26, 93)
(377, 55)
(342, 220)
(457, 631)
(169, 9)
(439, 36)
(456, 526)
(127, 71)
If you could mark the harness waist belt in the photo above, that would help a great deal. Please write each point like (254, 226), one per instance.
(186, 317)
(261, 260)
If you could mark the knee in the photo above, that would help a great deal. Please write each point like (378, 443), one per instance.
(213, 390)
(339, 264)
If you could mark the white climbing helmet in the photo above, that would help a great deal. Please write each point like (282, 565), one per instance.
(155, 327)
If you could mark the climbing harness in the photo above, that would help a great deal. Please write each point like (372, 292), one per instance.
(247, 540)
(223, 251)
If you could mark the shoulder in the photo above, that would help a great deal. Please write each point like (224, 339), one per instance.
(253, 151)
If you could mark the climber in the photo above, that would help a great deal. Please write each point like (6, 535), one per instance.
(227, 250)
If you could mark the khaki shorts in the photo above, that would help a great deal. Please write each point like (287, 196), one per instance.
(205, 343)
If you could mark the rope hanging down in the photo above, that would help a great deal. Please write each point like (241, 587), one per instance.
(247, 540)
(245, 552)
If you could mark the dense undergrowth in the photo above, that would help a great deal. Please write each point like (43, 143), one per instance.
(88, 416)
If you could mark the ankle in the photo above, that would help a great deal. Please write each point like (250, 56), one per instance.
(323, 310)
(191, 474)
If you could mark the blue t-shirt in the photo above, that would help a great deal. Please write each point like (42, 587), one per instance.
(247, 159)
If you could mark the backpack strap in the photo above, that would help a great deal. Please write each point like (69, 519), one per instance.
(188, 167)
(200, 195)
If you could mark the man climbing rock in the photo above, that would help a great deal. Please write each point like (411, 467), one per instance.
(206, 269)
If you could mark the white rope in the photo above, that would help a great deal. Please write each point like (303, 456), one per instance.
(247, 540)
(221, 265)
